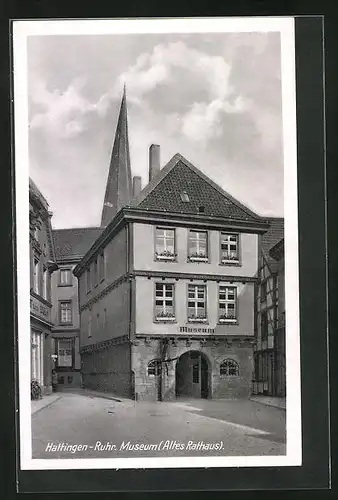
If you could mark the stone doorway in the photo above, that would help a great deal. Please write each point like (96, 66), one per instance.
(192, 375)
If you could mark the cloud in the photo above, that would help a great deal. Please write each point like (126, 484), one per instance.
(63, 111)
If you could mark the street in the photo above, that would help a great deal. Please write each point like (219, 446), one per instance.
(78, 425)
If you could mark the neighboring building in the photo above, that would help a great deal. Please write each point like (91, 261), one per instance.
(42, 265)
(269, 375)
(166, 293)
(70, 246)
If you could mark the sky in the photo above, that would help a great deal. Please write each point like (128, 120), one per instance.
(215, 98)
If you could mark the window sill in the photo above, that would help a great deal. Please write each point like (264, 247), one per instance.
(198, 320)
(198, 259)
(165, 320)
(165, 258)
(227, 322)
(64, 284)
(234, 263)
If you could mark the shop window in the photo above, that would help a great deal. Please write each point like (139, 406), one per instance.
(65, 353)
(229, 368)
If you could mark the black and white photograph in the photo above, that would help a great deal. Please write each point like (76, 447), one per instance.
(157, 243)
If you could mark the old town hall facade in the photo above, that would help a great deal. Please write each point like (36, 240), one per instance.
(167, 291)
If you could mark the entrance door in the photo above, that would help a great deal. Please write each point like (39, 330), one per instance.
(192, 375)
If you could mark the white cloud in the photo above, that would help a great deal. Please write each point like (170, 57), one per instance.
(64, 111)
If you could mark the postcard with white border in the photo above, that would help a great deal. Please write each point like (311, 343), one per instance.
(157, 243)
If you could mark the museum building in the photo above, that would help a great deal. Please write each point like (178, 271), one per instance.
(167, 291)
(42, 265)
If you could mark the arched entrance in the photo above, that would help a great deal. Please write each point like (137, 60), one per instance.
(192, 375)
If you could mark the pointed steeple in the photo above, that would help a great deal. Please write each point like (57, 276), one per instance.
(119, 183)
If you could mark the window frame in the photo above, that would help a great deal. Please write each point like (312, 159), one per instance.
(166, 319)
(71, 342)
(45, 278)
(157, 368)
(227, 321)
(264, 313)
(88, 279)
(164, 258)
(68, 283)
(196, 258)
(230, 262)
(36, 275)
(66, 301)
(196, 299)
(227, 361)
(263, 298)
(90, 320)
(101, 267)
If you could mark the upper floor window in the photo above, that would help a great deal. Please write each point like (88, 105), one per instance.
(65, 276)
(66, 315)
(197, 303)
(45, 283)
(164, 302)
(165, 244)
(88, 280)
(154, 367)
(229, 248)
(198, 246)
(263, 291)
(36, 281)
(227, 304)
(229, 368)
(95, 273)
(264, 325)
(90, 324)
(101, 267)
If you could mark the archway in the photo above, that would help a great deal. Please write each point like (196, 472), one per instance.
(192, 375)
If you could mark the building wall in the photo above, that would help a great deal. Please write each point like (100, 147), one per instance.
(108, 369)
(65, 292)
(216, 351)
(115, 265)
(114, 306)
(40, 296)
(144, 251)
(145, 310)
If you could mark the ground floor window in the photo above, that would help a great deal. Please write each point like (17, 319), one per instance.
(37, 357)
(65, 353)
(229, 368)
(154, 367)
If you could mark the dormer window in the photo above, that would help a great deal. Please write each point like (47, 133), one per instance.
(184, 197)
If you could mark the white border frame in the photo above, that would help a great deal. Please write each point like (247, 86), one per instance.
(284, 25)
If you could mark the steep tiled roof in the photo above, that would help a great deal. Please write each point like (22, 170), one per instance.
(74, 243)
(164, 193)
(269, 239)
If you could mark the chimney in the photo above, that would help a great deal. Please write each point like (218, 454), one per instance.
(137, 185)
(154, 161)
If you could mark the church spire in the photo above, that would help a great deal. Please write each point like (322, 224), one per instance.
(119, 183)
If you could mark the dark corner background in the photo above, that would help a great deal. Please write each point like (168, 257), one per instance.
(313, 475)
